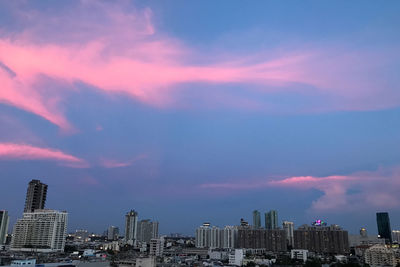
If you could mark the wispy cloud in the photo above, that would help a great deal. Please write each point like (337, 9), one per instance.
(112, 163)
(123, 53)
(11, 151)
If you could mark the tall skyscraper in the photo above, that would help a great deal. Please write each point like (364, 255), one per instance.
(42, 231)
(4, 219)
(271, 220)
(289, 228)
(383, 222)
(35, 196)
(131, 225)
(147, 230)
(256, 219)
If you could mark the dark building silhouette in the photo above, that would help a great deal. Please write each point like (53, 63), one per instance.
(271, 240)
(35, 196)
(383, 222)
(322, 239)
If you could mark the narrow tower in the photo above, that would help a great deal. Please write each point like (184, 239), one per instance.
(35, 196)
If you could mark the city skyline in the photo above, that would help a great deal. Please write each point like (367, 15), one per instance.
(201, 112)
(138, 230)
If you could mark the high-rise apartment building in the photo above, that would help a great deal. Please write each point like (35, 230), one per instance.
(270, 240)
(203, 235)
(256, 219)
(4, 220)
(147, 230)
(42, 231)
(229, 236)
(289, 228)
(271, 220)
(383, 222)
(112, 233)
(131, 225)
(322, 239)
(35, 196)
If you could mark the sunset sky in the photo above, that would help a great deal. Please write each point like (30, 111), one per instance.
(193, 111)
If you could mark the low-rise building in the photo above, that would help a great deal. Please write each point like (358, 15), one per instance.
(299, 254)
(379, 255)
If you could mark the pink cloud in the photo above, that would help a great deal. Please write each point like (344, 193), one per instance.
(111, 163)
(11, 151)
(377, 189)
(122, 53)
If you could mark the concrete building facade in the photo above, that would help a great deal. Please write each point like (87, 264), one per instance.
(42, 231)
(35, 196)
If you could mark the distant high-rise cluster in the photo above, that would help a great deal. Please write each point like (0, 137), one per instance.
(39, 229)
(319, 238)
(139, 232)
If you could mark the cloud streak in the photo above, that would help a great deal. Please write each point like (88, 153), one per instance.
(11, 151)
(112, 163)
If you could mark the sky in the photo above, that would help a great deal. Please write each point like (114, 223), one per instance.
(195, 111)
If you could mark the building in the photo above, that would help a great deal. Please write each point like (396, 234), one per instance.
(322, 239)
(271, 220)
(35, 196)
(270, 240)
(395, 236)
(289, 228)
(236, 257)
(364, 239)
(379, 255)
(81, 235)
(131, 225)
(299, 254)
(208, 236)
(112, 233)
(229, 236)
(383, 222)
(42, 231)
(363, 232)
(147, 230)
(156, 247)
(4, 220)
(256, 219)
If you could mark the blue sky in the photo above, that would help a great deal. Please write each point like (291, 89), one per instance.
(202, 111)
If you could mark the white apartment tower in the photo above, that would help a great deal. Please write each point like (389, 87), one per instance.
(203, 236)
(42, 231)
(229, 234)
(131, 225)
